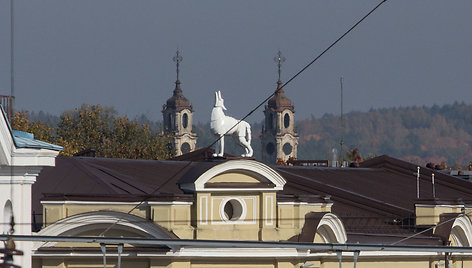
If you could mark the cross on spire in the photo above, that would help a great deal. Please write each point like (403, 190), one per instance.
(279, 59)
(177, 59)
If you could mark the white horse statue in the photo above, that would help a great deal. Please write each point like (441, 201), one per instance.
(225, 125)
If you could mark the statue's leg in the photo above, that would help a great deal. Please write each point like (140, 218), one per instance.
(237, 140)
(222, 146)
(246, 145)
(217, 148)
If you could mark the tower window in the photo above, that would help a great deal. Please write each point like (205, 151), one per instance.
(185, 120)
(270, 122)
(287, 148)
(286, 120)
(270, 148)
(185, 148)
(169, 121)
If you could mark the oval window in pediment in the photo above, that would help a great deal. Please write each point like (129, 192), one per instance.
(233, 210)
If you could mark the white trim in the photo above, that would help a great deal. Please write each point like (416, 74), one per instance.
(112, 203)
(243, 165)
(461, 231)
(267, 205)
(213, 190)
(438, 206)
(76, 224)
(335, 225)
(19, 174)
(242, 219)
(204, 220)
(238, 252)
(328, 205)
(258, 253)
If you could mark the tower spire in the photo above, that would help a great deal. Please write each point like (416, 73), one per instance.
(178, 115)
(279, 59)
(279, 138)
(177, 59)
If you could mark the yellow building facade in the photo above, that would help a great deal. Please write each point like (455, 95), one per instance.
(236, 201)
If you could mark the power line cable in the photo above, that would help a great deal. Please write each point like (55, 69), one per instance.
(314, 247)
(150, 196)
(301, 71)
(265, 100)
(432, 227)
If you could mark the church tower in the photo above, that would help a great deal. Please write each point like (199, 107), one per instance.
(279, 139)
(178, 116)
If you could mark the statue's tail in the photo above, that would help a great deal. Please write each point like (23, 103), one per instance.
(248, 133)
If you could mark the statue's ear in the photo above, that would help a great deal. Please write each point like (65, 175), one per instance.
(216, 96)
(219, 94)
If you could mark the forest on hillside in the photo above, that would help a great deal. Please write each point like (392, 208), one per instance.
(416, 134)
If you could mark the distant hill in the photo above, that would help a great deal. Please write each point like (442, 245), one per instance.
(416, 134)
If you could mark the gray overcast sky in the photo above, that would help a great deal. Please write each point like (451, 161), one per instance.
(119, 53)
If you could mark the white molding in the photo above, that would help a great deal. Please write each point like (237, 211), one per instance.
(461, 231)
(242, 219)
(328, 205)
(76, 224)
(269, 204)
(212, 190)
(10, 155)
(242, 165)
(238, 252)
(436, 206)
(258, 253)
(204, 220)
(113, 203)
(243, 204)
(335, 225)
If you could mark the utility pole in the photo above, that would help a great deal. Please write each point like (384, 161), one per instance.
(12, 59)
(342, 125)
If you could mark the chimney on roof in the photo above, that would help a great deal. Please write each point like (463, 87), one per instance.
(86, 153)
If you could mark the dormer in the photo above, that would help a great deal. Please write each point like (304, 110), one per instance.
(236, 194)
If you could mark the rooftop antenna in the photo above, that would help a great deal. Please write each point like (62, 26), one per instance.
(434, 190)
(417, 182)
(12, 45)
(341, 143)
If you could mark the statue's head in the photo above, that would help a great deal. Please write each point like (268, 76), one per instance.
(219, 102)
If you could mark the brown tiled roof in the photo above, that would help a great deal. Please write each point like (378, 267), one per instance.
(375, 202)
(105, 178)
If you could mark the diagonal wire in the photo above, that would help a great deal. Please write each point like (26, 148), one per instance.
(146, 198)
(301, 71)
(265, 100)
(432, 227)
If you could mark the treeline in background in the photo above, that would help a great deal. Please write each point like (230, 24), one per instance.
(417, 134)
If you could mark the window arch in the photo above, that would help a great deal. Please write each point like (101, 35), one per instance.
(82, 224)
(330, 230)
(7, 213)
(286, 120)
(461, 232)
(185, 120)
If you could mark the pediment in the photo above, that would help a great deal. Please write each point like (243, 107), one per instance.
(237, 175)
